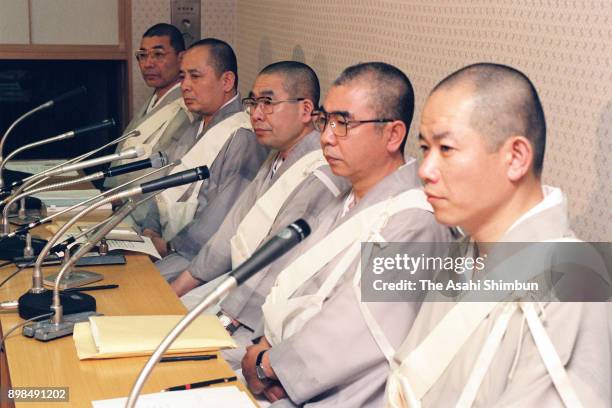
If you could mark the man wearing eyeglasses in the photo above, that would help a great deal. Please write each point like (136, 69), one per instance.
(317, 348)
(294, 182)
(164, 113)
(185, 217)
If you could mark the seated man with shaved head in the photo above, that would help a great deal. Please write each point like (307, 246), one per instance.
(294, 182)
(317, 349)
(163, 118)
(483, 135)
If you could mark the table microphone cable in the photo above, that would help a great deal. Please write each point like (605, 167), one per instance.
(21, 268)
(3, 264)
(2, 339)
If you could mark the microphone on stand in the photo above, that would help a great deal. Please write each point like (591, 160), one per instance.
(67, 135)
(37, 300)
(158, 162)
(70, 94)
(73, 160)
(273, 249)
(13, 246)
(84, 304)
(130, 153)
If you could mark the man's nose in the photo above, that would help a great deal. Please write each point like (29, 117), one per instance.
(429, 171)
(257, 113)
(327, 136)
(185, 84)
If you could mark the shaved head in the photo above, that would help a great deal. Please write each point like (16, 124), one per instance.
(505, 104)
(390, 92)
(299, 80)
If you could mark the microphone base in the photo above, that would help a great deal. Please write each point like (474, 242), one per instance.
(33, 304)
(78, 277)
(47, 330)
(28, 219)
(12, 247)
(32, 203)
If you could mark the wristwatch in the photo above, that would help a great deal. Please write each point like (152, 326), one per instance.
(226, 322)
(259, 370)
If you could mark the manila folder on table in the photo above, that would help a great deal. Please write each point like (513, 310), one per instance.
(126, 336)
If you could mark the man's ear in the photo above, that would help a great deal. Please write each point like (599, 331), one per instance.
(180, 56)
(229, 79)
(395, 131)
(518, 157)
(307, 107)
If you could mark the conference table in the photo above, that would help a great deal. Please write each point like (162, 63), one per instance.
(32, 363)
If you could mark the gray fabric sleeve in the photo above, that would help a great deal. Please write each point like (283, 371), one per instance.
(335, 347)
(580, 333)
(214, 258)
(151, 221)
(231, 172)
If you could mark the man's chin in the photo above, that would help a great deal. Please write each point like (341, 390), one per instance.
(152, 83)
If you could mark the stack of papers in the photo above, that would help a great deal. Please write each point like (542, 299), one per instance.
(219, 397)
(61, 199)
(38, 166)
(137, 243)
(119, 233)
(66, 198)
(125, 336)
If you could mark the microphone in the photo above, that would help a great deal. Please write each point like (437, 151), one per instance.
(67, 135)
(131, 153)
(173, 180)
(35, 302)
(71, 94)
(26, 228)
(274, 248)
(73, 160)
(156, 161)
(57, 326)
(81, 90)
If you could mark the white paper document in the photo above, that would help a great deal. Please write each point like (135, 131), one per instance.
(66, 198)
(145, 247)
(38, 166)
(218, 397)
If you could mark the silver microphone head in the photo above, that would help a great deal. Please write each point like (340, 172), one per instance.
(159, 160)
(132, 152)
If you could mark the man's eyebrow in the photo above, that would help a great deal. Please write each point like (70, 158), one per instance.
(346, 114)
(439, 136)
(436, 136)
(265, 93)
(157, 46)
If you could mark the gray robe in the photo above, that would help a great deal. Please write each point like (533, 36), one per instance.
(307, 201)
(230, 173)
(176, 127)
(580, 332)
(333, 361)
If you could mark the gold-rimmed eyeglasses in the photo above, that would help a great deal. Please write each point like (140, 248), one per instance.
(156, 55)
(339, 123)
(266, 104)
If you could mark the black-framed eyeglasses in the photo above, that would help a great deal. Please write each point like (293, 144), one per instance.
(339, 123)
(156, 55)
(266, 104)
